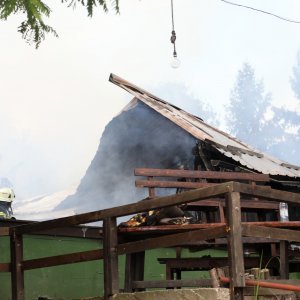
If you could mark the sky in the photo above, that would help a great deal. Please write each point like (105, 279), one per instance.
(56, 100)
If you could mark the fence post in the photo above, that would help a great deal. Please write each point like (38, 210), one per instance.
(134, 270)
(110, 242)
(17, 273)
(284, 260)
(235, 245)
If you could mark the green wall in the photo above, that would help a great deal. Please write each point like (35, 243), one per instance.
(85, 279)
(61, 282)
(76, 280)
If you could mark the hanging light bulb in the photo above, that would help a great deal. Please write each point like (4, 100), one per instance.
(175, 63)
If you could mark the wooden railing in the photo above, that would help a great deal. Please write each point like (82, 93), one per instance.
(191, 179)
(233, 230)
(154, 179)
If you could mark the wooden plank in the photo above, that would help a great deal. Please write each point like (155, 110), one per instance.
(208, 202)
(185, 197)
(252, 204)
(260, 192)
(201, 174)
(248, 240)
(71, 231)
(172, 240)
(180, 228)
(284, 260)
(206, 263)
(64, 259)
(110, 242)
(223, 241)
(17, 273)
(172, 283)
(171, 184)
(271, 233)
(259, 204)
(235, 245)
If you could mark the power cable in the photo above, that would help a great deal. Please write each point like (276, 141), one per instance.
(175, 62)
(262, 11)
(173, 34)
(172, 15)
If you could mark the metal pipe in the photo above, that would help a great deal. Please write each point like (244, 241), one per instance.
(272, 285)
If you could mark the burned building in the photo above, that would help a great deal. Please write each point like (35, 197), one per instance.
(150, 132)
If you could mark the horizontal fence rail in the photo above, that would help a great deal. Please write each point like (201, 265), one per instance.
(231, 176)
(124, 210)
(275, 195)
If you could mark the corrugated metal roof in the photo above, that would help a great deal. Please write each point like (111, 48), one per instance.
(223, 142)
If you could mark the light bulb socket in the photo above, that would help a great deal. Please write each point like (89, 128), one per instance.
(175, 54)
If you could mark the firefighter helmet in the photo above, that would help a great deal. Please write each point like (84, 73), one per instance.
(7, 195)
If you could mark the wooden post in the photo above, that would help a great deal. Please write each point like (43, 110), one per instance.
(178, 255)
(235, 246)
(134, 270)
(139, 266)
(221, 213)
(284, 260)
(151, 190)
(129, 274)
(110, 242)
(214, 278)
(17, 273)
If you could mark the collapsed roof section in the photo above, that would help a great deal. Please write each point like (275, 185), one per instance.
(221, 141)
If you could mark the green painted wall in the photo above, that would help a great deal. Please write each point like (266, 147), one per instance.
(82, 279)
(77, 280)
(61, 282)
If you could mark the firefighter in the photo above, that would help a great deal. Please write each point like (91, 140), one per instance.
(7, 196)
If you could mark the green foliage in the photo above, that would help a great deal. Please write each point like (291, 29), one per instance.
(33, 29)
(91, 4)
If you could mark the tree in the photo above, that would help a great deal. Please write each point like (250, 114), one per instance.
(34, 29)
(288, 120)
(247, 108)
(252, 118)
(292, 118)
(295, 80)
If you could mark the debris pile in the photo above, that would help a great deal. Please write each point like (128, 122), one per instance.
(173, 215)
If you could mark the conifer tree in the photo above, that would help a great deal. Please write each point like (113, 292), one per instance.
(295, 79)
(248, 105)
(288, 121)
(33, 28)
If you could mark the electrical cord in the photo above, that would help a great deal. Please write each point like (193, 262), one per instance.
(261, 11)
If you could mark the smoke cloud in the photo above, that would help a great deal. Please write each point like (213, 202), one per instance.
(138, 137)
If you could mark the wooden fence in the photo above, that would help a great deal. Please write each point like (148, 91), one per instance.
(233, 230)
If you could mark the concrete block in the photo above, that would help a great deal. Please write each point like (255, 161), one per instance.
(177, 294)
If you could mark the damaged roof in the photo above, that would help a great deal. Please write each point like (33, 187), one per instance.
(223, 142)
